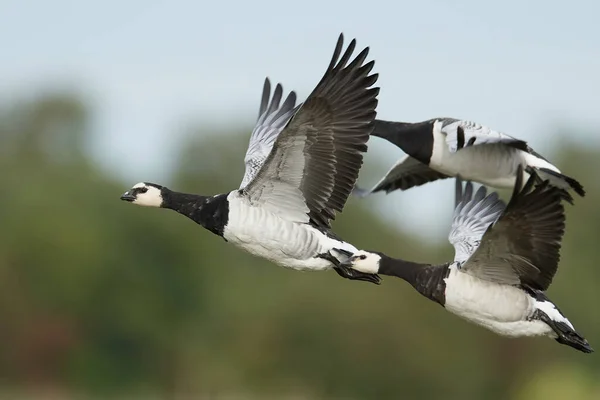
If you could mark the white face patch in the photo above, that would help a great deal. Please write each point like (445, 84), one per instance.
(366, 262)
(150, 198)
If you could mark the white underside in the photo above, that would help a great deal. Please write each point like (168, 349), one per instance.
(502, 309)
(490, 164)
(265, 234)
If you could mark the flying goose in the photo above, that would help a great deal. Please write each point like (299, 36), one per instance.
(301, 165)
(447, 147)
(505, 259)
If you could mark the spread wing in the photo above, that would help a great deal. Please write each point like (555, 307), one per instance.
(315, 160)
(523, 245)
(461, 133)
(408, 172)
(473, 214)
(272, 118)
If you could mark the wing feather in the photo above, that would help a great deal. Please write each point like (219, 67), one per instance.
(272, 118)
(460, 134)
(473, 214)
(408, 172)
(317, 156)
(523, 245)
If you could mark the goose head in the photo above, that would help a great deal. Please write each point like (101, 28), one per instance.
(363, 261)
(145, 194)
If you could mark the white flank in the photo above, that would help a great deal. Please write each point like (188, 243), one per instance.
(493, 164)
(551, 311)
(440, 149)
(490, 164)
(502, 309)
(261, 232)
(536, 162)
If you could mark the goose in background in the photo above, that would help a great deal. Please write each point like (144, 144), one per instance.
(505, 258)
(447, 147)
(300, 167)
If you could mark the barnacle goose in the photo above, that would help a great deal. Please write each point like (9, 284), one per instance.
(300, 167)
(505, 259)
(444, 147)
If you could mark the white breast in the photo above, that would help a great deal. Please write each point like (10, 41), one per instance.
(264, 234)
(501, 308)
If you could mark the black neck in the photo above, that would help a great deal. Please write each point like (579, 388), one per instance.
(406, 270)
(427, 279)
(209, 211)
(415, 139)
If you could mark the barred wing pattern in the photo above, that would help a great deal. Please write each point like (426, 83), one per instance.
(473, 215)
(272, 118)
(315, 160)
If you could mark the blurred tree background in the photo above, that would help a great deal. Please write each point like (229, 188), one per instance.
(99, 299)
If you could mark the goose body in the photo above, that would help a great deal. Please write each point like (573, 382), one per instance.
(505, 259)
(283, 242)
(301, 165)
(503, 309)
(446, 147)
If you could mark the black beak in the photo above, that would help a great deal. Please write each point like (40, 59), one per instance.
(127, 196)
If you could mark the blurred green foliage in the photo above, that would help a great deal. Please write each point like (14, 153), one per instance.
(99, 299)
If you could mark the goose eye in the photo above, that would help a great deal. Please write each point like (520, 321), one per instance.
(143, 190)
(362, 257)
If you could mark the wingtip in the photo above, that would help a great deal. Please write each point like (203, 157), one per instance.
(352, 43)
(481, 192)
(266, 94)
(293, 96)
(566, 196)
(336, 52)
(468, 193)
(279, 88)
(364, 53)
(586, 348)
(340, 62)
(457, 190)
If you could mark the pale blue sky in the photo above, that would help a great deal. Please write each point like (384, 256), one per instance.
(152, 67)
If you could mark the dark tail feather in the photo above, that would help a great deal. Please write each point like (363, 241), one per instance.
(556, 179)
(571, 182)
(573, 339)
(567, 335)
